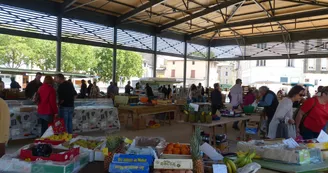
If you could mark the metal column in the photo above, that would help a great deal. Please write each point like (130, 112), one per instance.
(59, 42)
(208, 65)
(114, 54)
(185, 64)
(155, 55)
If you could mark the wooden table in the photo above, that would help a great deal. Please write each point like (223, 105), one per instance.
(223, 121)
(137, 111)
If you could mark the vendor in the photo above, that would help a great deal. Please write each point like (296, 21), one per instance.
(216, 99)
(269, 101)
(313, 116)
(149, 91)
(128, 88)
(4, 126)
(284, 111)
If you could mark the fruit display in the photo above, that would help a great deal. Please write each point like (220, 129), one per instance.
(177, 148)
(43, 150)
(61, 137)
(89, 144)
(195, 151)
(231, 167)
(244, 158)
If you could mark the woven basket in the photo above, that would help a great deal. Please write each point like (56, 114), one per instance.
(108, 159)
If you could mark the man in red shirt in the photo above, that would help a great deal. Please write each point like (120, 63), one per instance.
(313, 116)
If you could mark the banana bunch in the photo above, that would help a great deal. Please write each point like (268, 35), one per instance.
(230, 165)
(244, 158)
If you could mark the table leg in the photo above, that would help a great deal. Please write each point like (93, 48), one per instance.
(225, 129)
(170, 117)
(214, 136)
(242, 130)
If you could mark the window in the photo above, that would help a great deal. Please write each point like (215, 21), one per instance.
(260, 62)
(227, 81)
(316, 82)
(262, 45)
(193, 62)
(172, 73)
(290, 63)
(173, 62)
(324, 64)
(307, 80)
(311, 64)
(192, 74)
(226, 73)
(284, 79)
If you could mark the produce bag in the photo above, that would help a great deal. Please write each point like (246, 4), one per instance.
(291, 131)
(58, 125)
(249, 168)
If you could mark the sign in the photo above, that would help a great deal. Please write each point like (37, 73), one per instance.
(173, 164)
(129, 167)
(128, 158)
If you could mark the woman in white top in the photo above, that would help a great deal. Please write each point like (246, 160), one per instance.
(284, 110)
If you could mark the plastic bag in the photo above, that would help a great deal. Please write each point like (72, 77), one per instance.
(291, 131)
(58, 125)
(249, 168)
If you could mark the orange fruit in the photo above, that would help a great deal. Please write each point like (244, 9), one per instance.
(177, 145)
(176, 150)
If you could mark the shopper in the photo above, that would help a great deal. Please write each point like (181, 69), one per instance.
(284, 111)
(33, 86)
(236, 98)
(89, 87)
(47, 106)
(318, 94)
(2, 84)
(192, 95)
(14, 84)
(313, 116)
(4, 126)
(216, 99)
(201, 89)
(66, 95)
(149, 91)
(169, 92)
(269, 101)
(249, 98)
(117, 90)
(164, 91)
(111, 91)
(95, 91)
(128, 88)
(83, 90)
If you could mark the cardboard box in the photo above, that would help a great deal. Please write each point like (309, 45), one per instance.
(139, 123)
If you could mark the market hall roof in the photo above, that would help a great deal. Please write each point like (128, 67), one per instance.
(205, 19)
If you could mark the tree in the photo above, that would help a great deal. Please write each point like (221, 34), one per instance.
(44, 52)
(76, 58)
(14, 51)
(128, 64)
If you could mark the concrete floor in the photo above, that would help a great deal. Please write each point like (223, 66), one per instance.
(177, 132)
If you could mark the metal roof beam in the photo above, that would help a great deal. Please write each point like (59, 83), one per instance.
(201, 13)
(137, 10)
(68, 3)
(79, 6)
(262, 20)
(311, 2)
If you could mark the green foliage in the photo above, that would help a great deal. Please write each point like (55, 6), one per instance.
(128, 64)
(15, 52)
(18, 51)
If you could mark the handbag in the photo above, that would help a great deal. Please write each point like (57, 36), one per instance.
(282, 130)
(36, 97)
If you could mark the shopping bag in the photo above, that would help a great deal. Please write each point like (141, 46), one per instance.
(58, 125)
(291, 131)
(282, 130)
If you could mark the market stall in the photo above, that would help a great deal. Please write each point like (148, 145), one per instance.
(89, 115)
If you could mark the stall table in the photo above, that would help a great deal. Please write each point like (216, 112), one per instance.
(223, 121)
(137, 111)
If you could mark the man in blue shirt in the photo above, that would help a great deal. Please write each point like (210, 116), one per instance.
(269, 101)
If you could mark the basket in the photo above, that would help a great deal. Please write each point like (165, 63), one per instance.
(249, 109)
